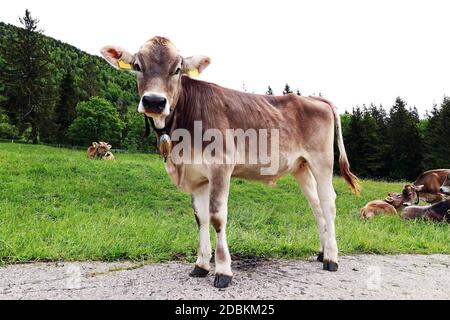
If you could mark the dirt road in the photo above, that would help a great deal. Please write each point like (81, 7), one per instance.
(359, 277)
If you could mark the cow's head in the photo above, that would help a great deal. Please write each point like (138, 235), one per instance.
(445, 188)
(159, 67)
(395, 199)
(103, 148)
(410, 194)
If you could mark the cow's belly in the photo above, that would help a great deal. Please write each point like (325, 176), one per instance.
(261, 173)
(190, 177)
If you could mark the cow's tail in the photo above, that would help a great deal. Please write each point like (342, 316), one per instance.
(344, 165)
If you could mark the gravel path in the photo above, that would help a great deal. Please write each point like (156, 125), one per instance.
(359, 277)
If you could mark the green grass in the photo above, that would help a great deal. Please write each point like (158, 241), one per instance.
(55, 204)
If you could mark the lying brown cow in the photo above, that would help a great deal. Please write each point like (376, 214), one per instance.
(445, 188)
(388, 206)
(99, 151)
(437, 212)
(426, 187)
(299, 131)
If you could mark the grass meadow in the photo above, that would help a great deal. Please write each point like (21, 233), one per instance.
(55, 204)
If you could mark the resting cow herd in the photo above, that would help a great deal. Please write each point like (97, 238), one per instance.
(431, 186)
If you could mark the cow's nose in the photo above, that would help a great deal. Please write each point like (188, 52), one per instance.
(441, 190)
(154, 102)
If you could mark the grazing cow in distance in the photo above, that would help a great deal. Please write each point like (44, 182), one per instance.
(427, 187)
(437, 212)
(445, 188)
(390, 205)
(298, 131)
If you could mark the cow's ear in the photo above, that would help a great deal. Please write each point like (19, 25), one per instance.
(118, 57)
(95, 144)
(109, 147)
(195, 65)
(389, 200)
(419, 188)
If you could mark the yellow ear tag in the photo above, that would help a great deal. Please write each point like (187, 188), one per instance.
(124, 65)
(193, 73)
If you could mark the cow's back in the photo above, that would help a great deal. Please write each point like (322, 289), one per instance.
(432, 180)
(376, 207)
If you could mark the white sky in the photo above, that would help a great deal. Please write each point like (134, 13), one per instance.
(353, 52)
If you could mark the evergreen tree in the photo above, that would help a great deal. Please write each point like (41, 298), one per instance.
(90, 83)
(269, 91)
(27, 77)
(65, 108)
(354, 141)
(287, 89)
(443, 148)
(404, 145)
(362, 142)
(370, 149)
(380, 150)
(437, 137)
(2, 85)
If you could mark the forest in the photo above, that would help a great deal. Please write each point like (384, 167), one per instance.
(53, 93)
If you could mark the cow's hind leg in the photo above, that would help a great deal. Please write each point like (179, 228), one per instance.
(323, 173)
(219, 185)
(200, 204)
(308, 185)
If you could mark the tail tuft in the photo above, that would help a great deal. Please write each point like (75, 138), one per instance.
(351, 179)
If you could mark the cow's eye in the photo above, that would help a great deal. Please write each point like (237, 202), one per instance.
(136, 67)
(177, 71)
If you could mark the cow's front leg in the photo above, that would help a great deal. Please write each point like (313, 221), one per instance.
(200, 204)
(218, 207)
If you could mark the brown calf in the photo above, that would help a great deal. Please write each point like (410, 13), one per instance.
(98, 150)
(300, 130)
(426, 187)
(388, 206)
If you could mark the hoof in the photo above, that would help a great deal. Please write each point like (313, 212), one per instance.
(222, 281)
(198, 272)
(320, 257)
(330, 266)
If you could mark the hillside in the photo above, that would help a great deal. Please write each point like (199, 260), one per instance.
(72, 76)
(55, 204)
(117, 87)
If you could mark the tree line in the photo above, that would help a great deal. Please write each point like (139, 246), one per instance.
(51, 92)
(397, 144)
